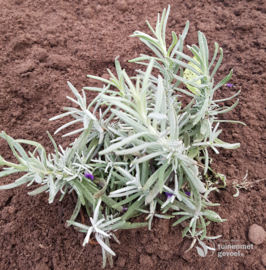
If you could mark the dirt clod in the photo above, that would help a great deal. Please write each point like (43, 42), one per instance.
(106, 76)
(145, 260)
(58, 62)
(121, 262)
(10, 228)
(122, 5)
(88, 12)
(40, 54)
(42, 266)
(263, 259)
(26, 67)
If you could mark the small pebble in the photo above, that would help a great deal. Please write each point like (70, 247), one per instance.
(11, 209)
(256, 234)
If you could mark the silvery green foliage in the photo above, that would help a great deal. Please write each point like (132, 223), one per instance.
(143, 146)
(160, 131)
(56, 172)
(85, 116)
(59, 172)
(102, 227)
(152, 213)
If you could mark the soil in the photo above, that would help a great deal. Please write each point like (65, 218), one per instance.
(46, 43)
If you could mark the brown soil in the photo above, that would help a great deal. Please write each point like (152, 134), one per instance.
(46, 43)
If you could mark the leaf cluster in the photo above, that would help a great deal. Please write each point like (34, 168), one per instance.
(148, 154)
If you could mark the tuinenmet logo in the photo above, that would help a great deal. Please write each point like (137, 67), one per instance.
(203, 252)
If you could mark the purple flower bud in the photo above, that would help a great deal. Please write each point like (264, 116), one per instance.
(169, 195)
(124, 209)
(188, 193)
(229, 85)
(89, 176)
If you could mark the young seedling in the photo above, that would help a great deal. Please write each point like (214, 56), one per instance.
(244, 184)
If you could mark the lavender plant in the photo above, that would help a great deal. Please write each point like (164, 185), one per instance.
(145, 153)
